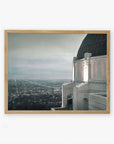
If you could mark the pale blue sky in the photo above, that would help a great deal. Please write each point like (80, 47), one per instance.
(42, 56)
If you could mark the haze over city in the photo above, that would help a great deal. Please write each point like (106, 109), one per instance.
(42, 56)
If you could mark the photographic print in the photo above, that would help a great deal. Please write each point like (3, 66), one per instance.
(57, 71)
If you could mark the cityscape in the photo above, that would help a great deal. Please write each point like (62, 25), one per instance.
(38, 66)
(34, 94)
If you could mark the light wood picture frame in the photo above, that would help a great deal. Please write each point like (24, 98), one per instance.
(78, 96)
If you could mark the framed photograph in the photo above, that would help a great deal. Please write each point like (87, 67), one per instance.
(57, 71)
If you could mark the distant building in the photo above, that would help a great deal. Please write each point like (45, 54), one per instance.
(88, 88)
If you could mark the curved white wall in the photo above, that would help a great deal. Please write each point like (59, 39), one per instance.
(97, 69)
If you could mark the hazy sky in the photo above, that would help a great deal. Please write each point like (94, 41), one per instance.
(42, 56)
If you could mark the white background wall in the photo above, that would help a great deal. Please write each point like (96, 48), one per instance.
(56, 129)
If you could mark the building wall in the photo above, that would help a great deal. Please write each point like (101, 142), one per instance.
(67, 89)
(78, 70)
(89, 77)
(81, 95)
(97, 101)
(98, 68)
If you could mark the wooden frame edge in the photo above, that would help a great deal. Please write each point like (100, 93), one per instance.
(107, 111)
(6, 69)
(57, 112)
(108, 71)
(59, 31)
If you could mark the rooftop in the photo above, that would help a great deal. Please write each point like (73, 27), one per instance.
(93, 43)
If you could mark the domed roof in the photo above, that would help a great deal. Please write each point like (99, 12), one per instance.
(93, 43)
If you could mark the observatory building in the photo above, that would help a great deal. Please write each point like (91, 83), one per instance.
(88, 88)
